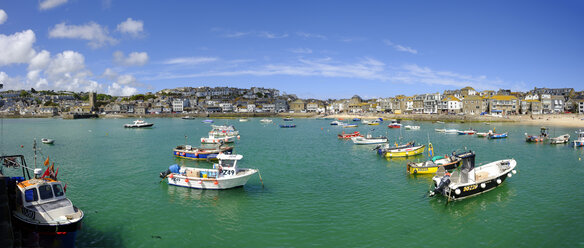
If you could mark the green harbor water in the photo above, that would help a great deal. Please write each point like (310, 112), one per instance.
(318, 190)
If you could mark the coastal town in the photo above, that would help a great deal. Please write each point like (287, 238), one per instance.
(264, 102)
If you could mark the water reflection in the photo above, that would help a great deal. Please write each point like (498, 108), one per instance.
(468, 207)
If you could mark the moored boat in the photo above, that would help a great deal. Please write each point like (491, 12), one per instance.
(394, 124)
(224, 175)
(288, 119)
(288, 126)
(470, 180)
(543, 135)
(580, 140)
(381, 149)
(212, 139)
(451, 131)
(344, 135)
(404, 152)
(432, 165)
(266, 121)
(243, 120)
(207, 121)
(482, 135)
(138, 124)
(492, 135)
(336, 123)
(223, 130)
(41, 205)
(349, 125)
(188, 117)
(467, 132)
(47, 141)
(369, 140)
(199, 153)
(562, 139)
(440, 130)
(409, 127)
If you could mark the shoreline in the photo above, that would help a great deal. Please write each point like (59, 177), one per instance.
(559, 120)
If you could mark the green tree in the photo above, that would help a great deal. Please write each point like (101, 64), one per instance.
(23, 93)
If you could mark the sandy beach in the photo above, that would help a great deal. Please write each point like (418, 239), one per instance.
(561, 120)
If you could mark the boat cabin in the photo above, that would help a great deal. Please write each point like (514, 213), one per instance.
(467, 165)
(544, 131)
(228, 163)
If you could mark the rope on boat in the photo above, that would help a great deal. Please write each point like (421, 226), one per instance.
(260, 174)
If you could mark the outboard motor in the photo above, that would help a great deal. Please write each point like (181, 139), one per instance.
(164, 173)
(175, 168)
(445, 181)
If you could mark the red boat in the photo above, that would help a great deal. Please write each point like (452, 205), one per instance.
(394, 125)
(349, 135)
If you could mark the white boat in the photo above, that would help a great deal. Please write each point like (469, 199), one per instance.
(223, 130)
(243, 120)
(562, 139)
(369, 140)
(212, 139)
(440, 130)
(41, 204)
(451, 131)
(47, 141)
(337, 123)
(138, 124)
(580, 140)
(266, 121)
(470, 181)
(408, 127)
(224, 175)
(188, 117)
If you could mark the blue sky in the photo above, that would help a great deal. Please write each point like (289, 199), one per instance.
(315, 49)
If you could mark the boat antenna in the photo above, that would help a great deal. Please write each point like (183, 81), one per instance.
(35, 152)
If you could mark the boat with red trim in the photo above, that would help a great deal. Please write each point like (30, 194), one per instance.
(344, 135)
(200, 153)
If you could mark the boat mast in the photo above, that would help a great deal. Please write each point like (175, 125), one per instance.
(35, 152)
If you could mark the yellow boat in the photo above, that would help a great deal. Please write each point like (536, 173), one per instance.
(405, 152)
(431, 166)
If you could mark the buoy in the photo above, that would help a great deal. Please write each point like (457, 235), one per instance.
(21, 146)
(216, 183)
(187, 180)
(509, 175)
(170, 176)
(498, 181)
(457, 191)
(514, 171)
(201, 182)
(483, 185)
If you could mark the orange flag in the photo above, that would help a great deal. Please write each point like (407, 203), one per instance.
(47, 161)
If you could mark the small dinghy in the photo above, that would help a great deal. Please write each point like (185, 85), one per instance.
(200, 153)
(266, 121)
(470, 181)
(288, 126)
(543, 135)
(344, 135)
(47, 141)
(431, 166)
(408, 127)
(580, 140)
(369, 140)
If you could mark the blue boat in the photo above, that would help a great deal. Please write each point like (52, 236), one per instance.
(288, 119)
(356, 119)
(207, 121)
(190, 152)
(497, 135)
(288, 126)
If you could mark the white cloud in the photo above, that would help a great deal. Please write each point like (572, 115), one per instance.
(414, 74)
(302, 50)
(97, 35)
(126, 79)
(49, 4)
(3, 16)
(109, 74)
(40, 60)
(261, 34)
(400, 47)
(119, 90)
(309, 35)
(189, 60)
(133, 59)
(237, 34)
(269, 35)
(17, 48)
(132, 27)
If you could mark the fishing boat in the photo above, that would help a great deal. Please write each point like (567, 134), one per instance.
(467, 132)
(543, 135)
(439, 122)
(212, 139)
(138, 124)
(199, 153)
(492, 135)
(451, 131)
(224, 175)
(562, 139)
(344, 135)
(409, 127)
(470, 180)
(374, 122)
(223, 130)
(288, 119)
(243, 120)
(47, 141)
(431, 166)
(41, 205)
(404, 152)
(345, 125)
(266, 121)
(336, 123)
(207, 121)
(288, 126)
(188, 117)
(394, 124)
(440, 130)
(369, 140)
(356, 119)
(580, 140)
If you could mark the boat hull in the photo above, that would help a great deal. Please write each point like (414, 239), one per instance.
(52, 228)
(413, 151)
(415, 169)
(138, 126)
(474, 189)
(192, 154)
(211, 183)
